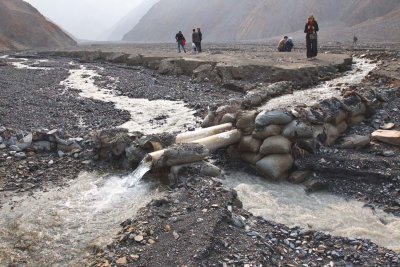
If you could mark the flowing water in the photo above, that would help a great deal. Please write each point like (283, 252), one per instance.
(61, 226)
(135, 176)
(289, 204)
(312, 96)
(141, 110)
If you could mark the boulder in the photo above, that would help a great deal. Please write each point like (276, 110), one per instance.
(387, 136)
(278, 117)
(355, 141)
(275, 145)
(297, 129)
(275, 166)
(267, 131)
(249, 144)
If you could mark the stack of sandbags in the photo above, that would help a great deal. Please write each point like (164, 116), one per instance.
(269, 138)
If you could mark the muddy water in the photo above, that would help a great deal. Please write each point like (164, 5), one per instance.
(175, 115)
(61, 226)
(289, 204)
(312, 96)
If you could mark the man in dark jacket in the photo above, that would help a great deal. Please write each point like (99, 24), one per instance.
(289, 45)
(196, 40)
(180, 39)
(200, 39)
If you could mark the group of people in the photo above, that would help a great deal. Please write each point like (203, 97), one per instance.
(197, 37)
(311, 28)
(286, 44)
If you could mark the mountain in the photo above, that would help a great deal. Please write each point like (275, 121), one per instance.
(22, 26)
(129, 21)
(233, 20)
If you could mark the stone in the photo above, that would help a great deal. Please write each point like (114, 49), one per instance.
(388, 153)
(139, 238)
(2, 146)
(387, 136)
(275, 145)
(136, 257)
(278, 117)
(276, 166)
(176, 235)
(121, 261)
(355, 141)
(60, 154)
(42, 146)
(15, 148)
(20, 155)
(2, 129)
(388, 126)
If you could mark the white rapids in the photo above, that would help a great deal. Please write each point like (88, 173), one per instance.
(62, 226)
(312, 96)
(290, 205)
(141, 110)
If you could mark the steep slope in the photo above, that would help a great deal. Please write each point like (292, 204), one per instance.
(223, 20)
(128, 22)
(22, 26)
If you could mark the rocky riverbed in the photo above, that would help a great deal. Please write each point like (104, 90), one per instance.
(200, 222)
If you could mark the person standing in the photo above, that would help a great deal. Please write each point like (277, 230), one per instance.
(311, 30)
(281, 44)
(195, 40)
(200, 39)
(180, 39)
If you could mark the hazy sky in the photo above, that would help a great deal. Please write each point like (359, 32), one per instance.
(85, 19)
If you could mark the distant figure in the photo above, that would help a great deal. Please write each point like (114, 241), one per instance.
(281, 44)
(355, 39)
(311, 30)
(180, 39)
(195, 40)
(289, 45)
(200, 39)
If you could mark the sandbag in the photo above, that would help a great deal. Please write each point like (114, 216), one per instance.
(228, 117)
(278, 117)
(297, 129)
(341, 127)
(267, 131)
(245, 119)
(355, 120)
(249, 144)
(275, 166)
(275, 145)
(331, 133)
(251, 158)
(355, 141)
